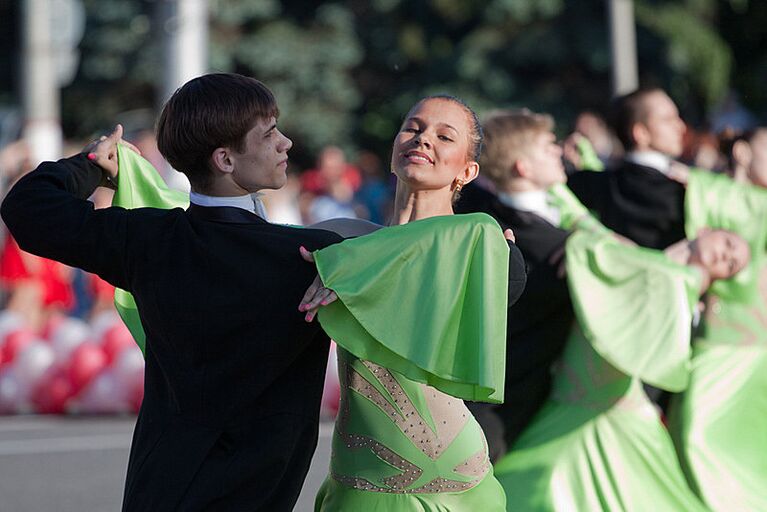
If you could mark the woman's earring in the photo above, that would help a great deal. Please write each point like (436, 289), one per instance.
(458, 185)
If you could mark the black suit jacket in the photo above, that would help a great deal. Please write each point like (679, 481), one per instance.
(538, 323)
(233, 374)
(635, 201)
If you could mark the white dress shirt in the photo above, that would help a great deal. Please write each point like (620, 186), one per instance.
(534, 201)
(653, 159)
(250, 202)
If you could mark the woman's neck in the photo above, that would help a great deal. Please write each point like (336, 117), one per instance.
(410, 205)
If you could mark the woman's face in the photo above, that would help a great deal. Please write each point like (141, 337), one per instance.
(721, 252)
(432, 146)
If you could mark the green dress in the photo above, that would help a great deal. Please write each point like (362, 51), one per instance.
(420, 324)
(719, 423)
(598, 443)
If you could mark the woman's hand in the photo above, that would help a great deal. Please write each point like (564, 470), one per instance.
(509, 235)
(316, 295)
(103, 152)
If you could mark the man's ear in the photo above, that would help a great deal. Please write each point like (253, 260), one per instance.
(520, 169)
(640, 135)
(221, 158)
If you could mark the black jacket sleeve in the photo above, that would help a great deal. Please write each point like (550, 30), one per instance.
(48, 214)
(517, 273)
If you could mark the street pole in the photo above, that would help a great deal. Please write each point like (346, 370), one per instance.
(623, 46)
(184, 25)
(39, 85)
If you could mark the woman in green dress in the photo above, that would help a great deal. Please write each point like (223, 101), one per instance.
(598, 443)
(719, 423)
(420, 325)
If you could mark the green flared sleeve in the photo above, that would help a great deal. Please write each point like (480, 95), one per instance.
(139, 185)
(427, 299)
(634, 305)
(716, 201)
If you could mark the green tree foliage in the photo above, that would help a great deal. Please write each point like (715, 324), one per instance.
(345, 72)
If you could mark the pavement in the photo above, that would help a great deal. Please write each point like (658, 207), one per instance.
(77, 464)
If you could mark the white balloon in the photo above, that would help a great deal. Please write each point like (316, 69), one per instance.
(10, 321)
(14, 394)
(129, 367)
(102, 323)
(67, 336)
(33, 361)
(102, 395)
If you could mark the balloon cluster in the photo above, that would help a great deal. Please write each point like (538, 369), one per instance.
(70, 367)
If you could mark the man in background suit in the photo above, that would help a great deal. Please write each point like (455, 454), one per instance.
(639, 199)
(520, 156)
(234, 375)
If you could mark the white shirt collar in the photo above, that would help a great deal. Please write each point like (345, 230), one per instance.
(250, 202)
(649, 158)
(534, 201)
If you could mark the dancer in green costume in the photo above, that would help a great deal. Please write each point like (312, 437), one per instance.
(420, 325)
(598, 443)
(719, 423)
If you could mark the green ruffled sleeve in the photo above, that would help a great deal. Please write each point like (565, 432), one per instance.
(140, 185)
(716, 201)
(634, 305)
(427, 299)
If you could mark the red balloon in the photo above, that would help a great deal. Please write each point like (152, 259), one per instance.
(15, 341)
(52, 392)
(86, 362)
(115, 339)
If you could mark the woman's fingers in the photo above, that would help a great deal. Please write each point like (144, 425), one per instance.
(306, 255)
(310, 293)
(509, 234)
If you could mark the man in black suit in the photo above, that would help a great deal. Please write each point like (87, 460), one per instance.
(520, 156)
(233, 374)
(639, 199)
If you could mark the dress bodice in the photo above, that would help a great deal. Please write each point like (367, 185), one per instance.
(395, 435)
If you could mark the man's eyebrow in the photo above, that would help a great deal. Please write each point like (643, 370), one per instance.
(274, 125)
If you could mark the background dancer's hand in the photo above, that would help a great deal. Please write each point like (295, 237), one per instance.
(103, 152)
(316, 295)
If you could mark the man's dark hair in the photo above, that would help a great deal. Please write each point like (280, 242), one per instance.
(208, 112)
(626, 111)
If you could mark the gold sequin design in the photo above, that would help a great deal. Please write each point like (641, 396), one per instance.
(443, 409)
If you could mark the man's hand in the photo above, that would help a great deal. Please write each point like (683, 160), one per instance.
(316, 295)
(508, 234)
(103, 152)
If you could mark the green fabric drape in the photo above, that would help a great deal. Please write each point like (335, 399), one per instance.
(139, 185)
(427, 299)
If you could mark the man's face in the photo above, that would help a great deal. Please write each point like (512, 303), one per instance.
(543, 161)
(663, 129)
(264, 159)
